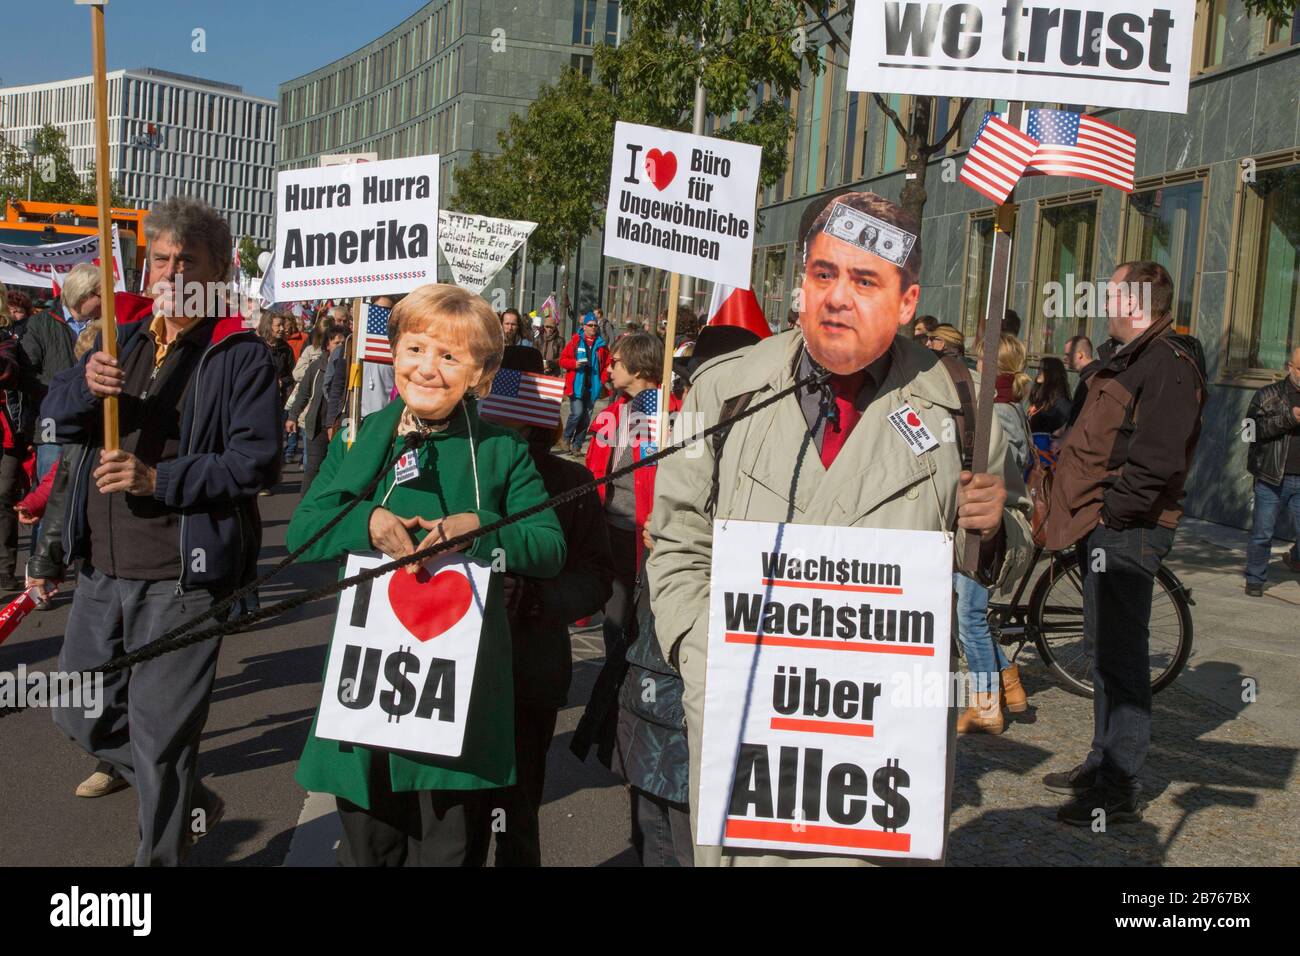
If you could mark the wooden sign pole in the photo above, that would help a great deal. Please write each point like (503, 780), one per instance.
(994, 312)
(354, 374)
(103, 182)
(670, 333)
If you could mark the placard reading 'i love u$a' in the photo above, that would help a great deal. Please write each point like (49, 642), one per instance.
(402, 660)
(682, 203)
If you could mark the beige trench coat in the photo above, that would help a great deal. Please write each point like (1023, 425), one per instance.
(875, 482)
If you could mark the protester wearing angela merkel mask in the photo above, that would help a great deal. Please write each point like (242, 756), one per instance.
(468, 473)
(825, 456)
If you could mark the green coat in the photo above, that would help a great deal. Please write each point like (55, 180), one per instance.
(508, 483)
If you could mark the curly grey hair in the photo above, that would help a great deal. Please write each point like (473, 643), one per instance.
(192, 221)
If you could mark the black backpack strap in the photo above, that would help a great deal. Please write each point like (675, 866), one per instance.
(731, 408)
(965, 385)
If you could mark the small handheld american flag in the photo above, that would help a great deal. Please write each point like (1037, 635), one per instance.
(524, 397)
(996, 159)
(643, 421)
(1076, 144)
(374, 341)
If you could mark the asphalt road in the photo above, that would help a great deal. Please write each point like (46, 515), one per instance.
(1221, 775)
(267, 688)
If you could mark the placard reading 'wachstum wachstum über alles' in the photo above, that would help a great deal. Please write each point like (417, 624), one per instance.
(827, 690)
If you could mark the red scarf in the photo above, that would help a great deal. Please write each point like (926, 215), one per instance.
(1004, 385)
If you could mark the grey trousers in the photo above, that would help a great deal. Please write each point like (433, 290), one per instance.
(153, 713)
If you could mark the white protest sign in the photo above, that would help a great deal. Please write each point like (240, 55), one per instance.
(356, 230)
(348, 159)
(401, 664)
(476, 247)
(1127, 53)
(682, 203)
(826, 700)
(35, 265)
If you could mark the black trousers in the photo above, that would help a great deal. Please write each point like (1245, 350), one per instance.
(661, 831)
(314, 454)
(1118, 570)
(11, 468)
(622, 546)
(518, 831)
(415, 828)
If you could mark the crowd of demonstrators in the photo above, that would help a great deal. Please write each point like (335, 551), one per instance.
(1117, 494)
(621, 435)
(399, 808)
(585, 361)
(167, 524)
(995, 681)
(515, 330)
(12, 401)
(306, 415)
(540, 611)
(1049, 399)
(831, 444)
(946, 339)
(1274, 462)
(1080, 360)
(923, 328)
(550, 345)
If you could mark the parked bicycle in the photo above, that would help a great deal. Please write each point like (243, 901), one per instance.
(1053, 620)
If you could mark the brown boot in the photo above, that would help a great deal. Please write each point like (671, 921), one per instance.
(1013, 693)
(984, 716)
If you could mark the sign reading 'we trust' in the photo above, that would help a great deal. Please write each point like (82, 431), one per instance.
(682, 203)
(1128, 53)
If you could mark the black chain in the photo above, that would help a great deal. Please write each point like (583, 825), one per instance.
(184, 635)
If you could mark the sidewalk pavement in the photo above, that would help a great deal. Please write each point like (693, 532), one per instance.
(1221, 773)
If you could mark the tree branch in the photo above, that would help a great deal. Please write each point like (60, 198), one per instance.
(952, 130)
(885, 108)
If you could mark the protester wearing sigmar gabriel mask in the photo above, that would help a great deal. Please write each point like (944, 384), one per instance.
(825, 456)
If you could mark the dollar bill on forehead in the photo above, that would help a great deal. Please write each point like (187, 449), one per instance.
(873, 235)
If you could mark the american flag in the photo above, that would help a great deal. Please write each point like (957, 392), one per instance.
(643, 421)
(1074, 144)
(374, 345)
(996, 159)
(524, 397)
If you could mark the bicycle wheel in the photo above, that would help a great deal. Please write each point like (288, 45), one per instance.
(1056, 622)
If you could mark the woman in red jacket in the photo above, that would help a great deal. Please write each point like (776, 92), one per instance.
(586, 360)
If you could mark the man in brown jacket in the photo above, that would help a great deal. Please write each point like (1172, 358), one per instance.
(1117, 492)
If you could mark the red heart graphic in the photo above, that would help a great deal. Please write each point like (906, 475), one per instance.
(427, 605)
(913, 420)
(661, 168)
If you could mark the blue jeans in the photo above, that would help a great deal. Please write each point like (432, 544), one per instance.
(291, 445)
(984, 657)
(47, 457)
(575, 431)
(1269, 502)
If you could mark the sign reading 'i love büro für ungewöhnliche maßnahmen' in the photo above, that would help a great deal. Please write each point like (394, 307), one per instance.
(1124, 53)
(827, 690)
(682, 203)
(354, 230)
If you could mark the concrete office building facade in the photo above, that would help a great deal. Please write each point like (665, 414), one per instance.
(168, 134)
(1217, 200)
(446, 80)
